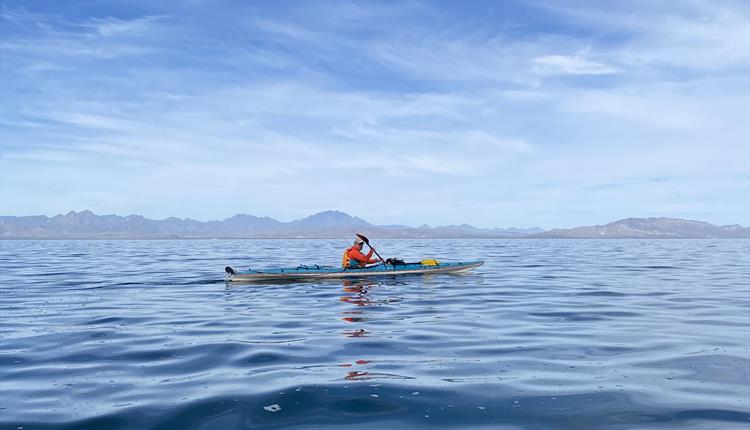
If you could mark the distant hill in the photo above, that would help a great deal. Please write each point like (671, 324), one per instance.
(651, 228)
(330, 224)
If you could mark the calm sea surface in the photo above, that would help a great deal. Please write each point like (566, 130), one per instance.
(548, 334)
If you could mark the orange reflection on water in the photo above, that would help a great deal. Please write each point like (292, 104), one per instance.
(356, 293)
(354, 319)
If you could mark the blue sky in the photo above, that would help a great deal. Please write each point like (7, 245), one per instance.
(496, 114)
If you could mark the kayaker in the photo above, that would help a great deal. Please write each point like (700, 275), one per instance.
(353, 256)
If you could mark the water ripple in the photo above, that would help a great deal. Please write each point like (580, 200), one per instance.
(549, 334)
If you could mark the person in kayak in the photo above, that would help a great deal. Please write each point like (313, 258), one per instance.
(353, 256)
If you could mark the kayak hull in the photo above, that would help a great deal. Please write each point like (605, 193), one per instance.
(329, 272)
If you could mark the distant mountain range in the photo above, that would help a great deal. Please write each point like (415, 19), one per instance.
(331, 224)
(652, 228)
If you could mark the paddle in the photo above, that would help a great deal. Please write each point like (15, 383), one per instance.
(367, 241)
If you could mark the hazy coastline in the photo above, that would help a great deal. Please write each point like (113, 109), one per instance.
(336, 224)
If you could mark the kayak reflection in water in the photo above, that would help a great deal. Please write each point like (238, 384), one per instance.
(353, 256)
(364, 375)
(358, 291)
(360, 332)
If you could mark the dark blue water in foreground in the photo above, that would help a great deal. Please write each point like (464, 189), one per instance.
(549, 334)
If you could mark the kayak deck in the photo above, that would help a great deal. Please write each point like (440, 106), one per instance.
(304, 272)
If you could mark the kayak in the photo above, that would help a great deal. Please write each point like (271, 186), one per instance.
(306, 272)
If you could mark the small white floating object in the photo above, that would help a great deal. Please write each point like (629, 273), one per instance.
(374, 395)
(416, 393)
(272, 408)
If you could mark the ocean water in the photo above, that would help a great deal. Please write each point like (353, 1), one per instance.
(548, 334)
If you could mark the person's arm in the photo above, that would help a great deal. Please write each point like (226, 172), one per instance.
(364, 259)
(369, 254)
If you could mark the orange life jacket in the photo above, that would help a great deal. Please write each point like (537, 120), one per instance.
(345, 259)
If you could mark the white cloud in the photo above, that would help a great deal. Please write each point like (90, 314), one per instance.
(106, 38)
(110, 27)
(94, 121)
(658, 110)
(699, 35)
(570, 65)
(524, 95)
(43, 155)
(459, 58)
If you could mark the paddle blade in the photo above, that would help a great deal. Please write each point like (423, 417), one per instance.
(364, 238)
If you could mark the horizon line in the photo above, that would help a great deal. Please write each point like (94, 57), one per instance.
(368, 222)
